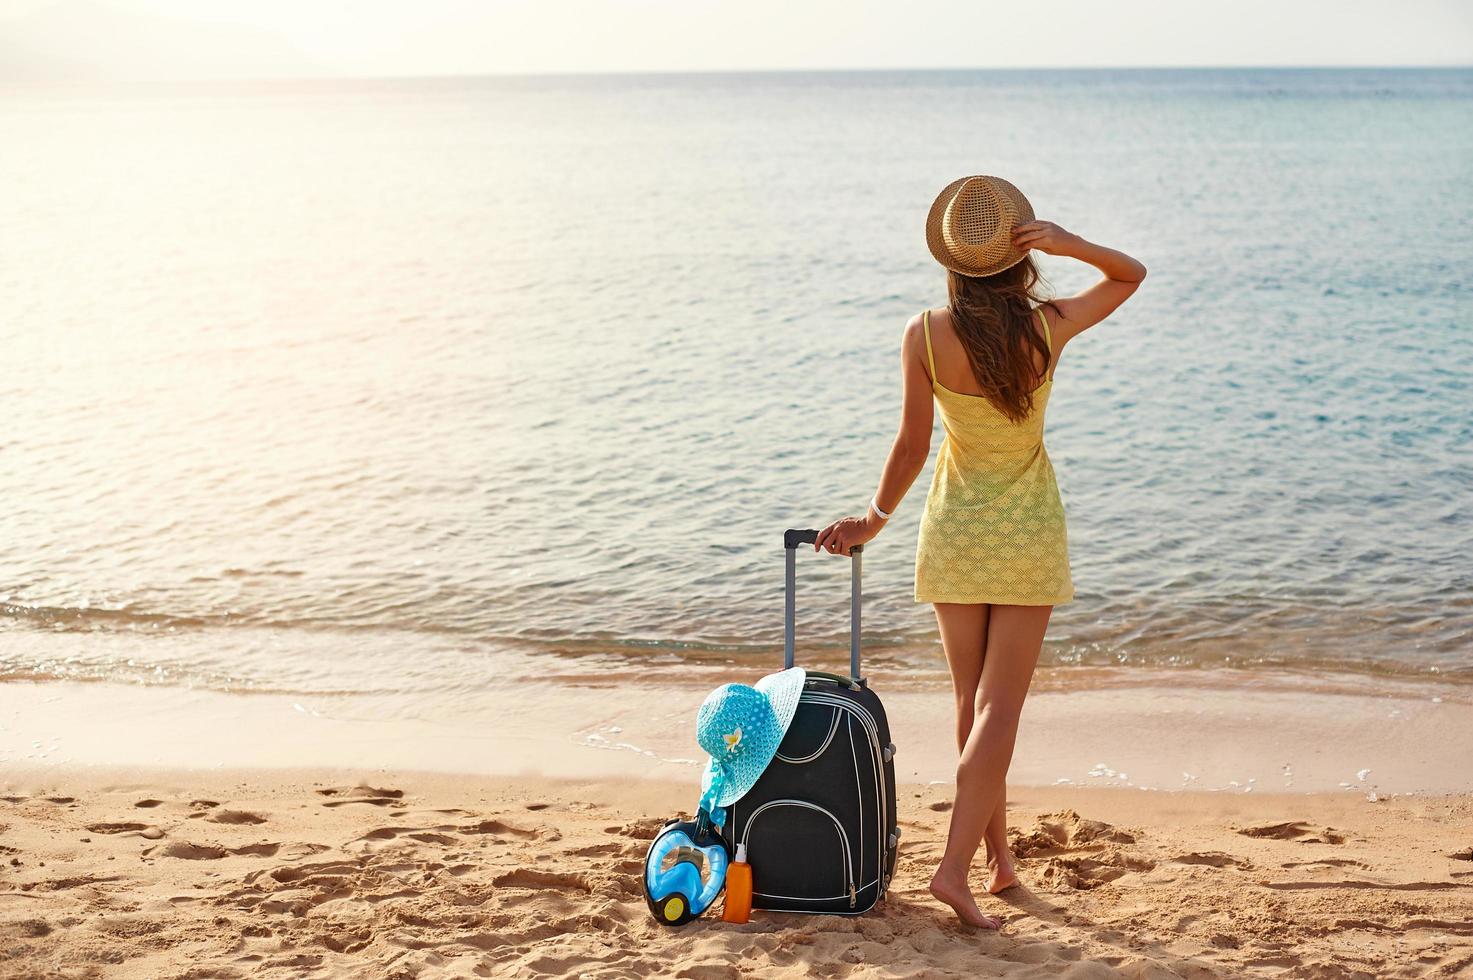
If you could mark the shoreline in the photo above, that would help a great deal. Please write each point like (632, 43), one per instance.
(313, 660)
(1155, 736)
(123, 873)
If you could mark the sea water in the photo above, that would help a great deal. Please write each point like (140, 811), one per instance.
(425, 386)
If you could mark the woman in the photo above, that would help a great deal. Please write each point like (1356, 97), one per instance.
(993, 554)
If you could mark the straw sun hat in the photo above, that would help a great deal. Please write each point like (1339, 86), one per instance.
(970, 227)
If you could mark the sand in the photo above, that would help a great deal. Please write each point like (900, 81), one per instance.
(149, 873)
(1202, 824)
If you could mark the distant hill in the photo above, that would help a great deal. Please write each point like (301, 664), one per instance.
(88, 41)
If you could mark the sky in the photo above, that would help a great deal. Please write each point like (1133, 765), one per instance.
(273, 38)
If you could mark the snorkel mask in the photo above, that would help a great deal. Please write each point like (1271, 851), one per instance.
(684, 870)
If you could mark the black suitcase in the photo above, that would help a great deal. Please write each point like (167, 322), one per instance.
(820, 824)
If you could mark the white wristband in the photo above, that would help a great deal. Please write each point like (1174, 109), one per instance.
(875, 506)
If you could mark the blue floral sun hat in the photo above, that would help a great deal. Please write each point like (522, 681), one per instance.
(740, 726)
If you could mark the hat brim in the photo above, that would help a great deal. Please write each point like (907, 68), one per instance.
(782, 690)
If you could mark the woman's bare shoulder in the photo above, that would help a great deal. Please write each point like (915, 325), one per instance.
(940, 322)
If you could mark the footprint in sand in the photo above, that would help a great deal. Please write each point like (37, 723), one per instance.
(621, 858)
(115, 828)
(146, 831)
(424, 835)
(372, 795)
(499, 829)
(1085, 873)
(326, 873)
(639, 829)
(1327, 863)
(192, 852)
(384, 833)
(1212, 859)
(263, 849)
(25, 929)
(236, 817)
(1096, 858)
(600, 850)
(210, 852)
(1466, 854)
(532, 878)
(148, 804)
(1295, 830)
(1066, 831)
(76, 881)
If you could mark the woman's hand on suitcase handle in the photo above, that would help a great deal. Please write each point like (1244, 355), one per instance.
(847, 532)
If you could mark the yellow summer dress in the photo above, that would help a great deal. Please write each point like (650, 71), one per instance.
(993, 530)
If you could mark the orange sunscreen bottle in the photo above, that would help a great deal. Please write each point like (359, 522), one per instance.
(738, 907)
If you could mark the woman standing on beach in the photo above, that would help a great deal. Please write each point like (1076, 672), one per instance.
(993, 552)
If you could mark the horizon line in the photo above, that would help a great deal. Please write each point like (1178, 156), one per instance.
(712, 72)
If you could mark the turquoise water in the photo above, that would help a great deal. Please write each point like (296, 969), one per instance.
(421, 386)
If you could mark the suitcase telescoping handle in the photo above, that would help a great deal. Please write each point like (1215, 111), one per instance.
(791, 539)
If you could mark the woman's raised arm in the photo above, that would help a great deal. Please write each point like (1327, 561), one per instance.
(1122, 275)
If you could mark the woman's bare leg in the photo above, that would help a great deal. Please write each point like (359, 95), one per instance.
(964, 638)
(1002, 873)
(963, 630)
(1014, 637)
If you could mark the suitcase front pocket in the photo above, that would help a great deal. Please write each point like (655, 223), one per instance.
(799, 852)
(809, 735)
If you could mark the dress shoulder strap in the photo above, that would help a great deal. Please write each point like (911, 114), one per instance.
(930, 356)
(1047, 337)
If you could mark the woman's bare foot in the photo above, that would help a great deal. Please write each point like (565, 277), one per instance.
(1002, 875)
(959, 897)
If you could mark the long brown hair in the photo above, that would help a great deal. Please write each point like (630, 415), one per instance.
(994, 320)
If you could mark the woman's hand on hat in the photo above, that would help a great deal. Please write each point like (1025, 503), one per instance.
(845, 533)
(1045, 236)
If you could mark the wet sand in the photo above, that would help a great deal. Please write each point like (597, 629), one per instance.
(1228, 732)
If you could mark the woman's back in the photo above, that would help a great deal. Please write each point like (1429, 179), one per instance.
(953, 370)
(976, 429)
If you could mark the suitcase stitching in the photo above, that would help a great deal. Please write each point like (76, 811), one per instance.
(833, 727)
(881, 783)
(858, 789)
